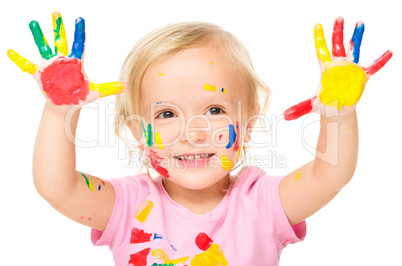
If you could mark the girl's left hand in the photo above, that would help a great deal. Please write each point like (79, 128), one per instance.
(342, 78)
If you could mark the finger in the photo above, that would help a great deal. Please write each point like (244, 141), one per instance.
(355, 42)
(60, 39)
(79, 39)
(338, 50)
(40, 40)
(21, 62)
(111, 88)
(299, 110)
(379, 63)
(321, 45)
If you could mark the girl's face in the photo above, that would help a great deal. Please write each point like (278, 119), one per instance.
(195, 104)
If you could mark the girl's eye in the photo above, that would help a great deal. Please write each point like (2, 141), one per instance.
(215, 111)
(166, 114)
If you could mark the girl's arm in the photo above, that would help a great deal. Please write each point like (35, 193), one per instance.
(55, 177)
(312, 186)
(61, 78)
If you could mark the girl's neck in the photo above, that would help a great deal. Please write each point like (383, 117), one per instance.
(198, 201)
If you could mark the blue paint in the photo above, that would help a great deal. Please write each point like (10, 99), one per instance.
(232, 136)
(79, 39)
(99, 188)
(157, 236)
(357, 41)
(175, 249)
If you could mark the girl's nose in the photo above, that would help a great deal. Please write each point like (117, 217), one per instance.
(197, 130)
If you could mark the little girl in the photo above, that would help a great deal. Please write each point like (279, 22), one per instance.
(190, 97)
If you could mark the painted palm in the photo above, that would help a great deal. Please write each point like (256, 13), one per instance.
(60, 76)
(342, 77)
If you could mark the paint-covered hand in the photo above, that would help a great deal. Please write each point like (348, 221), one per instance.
(60, 76)
(343, 79)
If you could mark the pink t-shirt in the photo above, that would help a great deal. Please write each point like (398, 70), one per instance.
(248, 227)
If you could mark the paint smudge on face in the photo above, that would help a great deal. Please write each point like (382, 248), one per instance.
(148, 134)
(232, 136)
(298, 175)
(236, 145)
(139, 258)
(220, 137)
(139, 236)
(63, 81)
(209, 87)
(342, 85)
(155, 159)
(160, 74)
(226, 163)
(21, 62)
(89, 183)
(144, 210)
(203, 241)
(299, 110)
(161, 255)
(212, 255)
(158, 141)
(224, 90)
(99, 187)
(211, 63)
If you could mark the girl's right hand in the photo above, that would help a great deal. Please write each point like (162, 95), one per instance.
(61, 78)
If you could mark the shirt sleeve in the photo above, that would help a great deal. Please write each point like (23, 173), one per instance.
(128, 191)
(264, 190)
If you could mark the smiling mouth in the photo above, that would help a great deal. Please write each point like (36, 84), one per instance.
(198, 156)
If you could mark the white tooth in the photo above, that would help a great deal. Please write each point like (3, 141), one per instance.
(190, 157)
(198, 156)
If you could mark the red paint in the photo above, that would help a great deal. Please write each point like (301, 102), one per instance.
(155, 162)
(379, 63)
(139, 236)
(236, 144)
(220, 136)
(63, 81)
(338, 49)
(139, 258)
(299, 110)
(203, 241)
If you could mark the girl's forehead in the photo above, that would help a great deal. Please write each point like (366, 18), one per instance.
(197, 72)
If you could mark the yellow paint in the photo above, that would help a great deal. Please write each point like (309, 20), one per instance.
(161, 255)
(320, 44)
(342, 85)
(158, 141)
(226, 163)
(161, 74)
(298, 175)
(106, 89)
(61, 42)
(211, 63)
(209, 87)
(213, 256)
(144, 210)
(21, 62)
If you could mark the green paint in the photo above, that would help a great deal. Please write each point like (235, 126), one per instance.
(89, 184)
(170, 264)
(40, 40)
(59, 22)
(148, 134)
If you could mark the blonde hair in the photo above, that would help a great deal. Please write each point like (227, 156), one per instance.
(165, 42)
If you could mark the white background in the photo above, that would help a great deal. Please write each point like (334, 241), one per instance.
(361, 226)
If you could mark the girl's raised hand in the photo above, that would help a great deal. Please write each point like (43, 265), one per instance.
(342, 77)
(60, 76)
